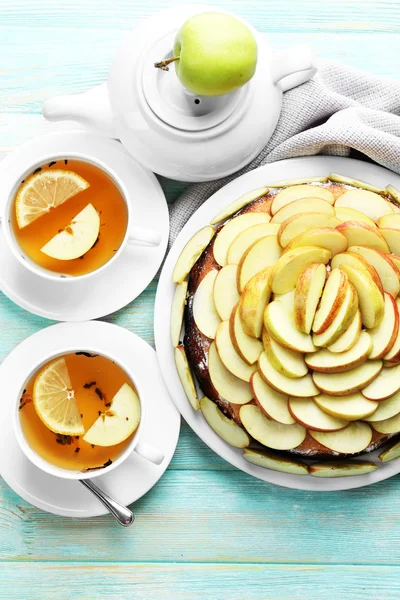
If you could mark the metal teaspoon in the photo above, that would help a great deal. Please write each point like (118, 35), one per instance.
(121, 513)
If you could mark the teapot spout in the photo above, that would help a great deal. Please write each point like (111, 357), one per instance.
(91, 108)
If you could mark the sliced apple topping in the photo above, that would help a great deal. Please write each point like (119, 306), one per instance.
(238, 204)
(344, 384)
(386, 409)
(308, 291)
(369, 203)
(323, 237)
(253, 301)
(335, 468)
(286, 299)
(177, 310)
(296, 192)
(186, 377)
(295, 226)
(297, 181)
(392, 239)
(272, 403)
(247, 238)
(393, 193)
(204, 312)
(269, 460)
(288, 362)
(225, 291)
(384, 385)
(118, 422)
(227, 429)
(341, 321)
(391, 221)
(362, 234)
(298, 388)
(370, 298)
(325, 361)
(354, 260)
(231, 230)
(394, 354)
(280, 324)
(390, 453)
(306, 412)
(262, 254)
(350, 408)
(248, 348)
(354, 438)
(289, 267)
(350, 214)
(270, 433)
(354, 182)
(387, 426)
(301, 206)
(77, 238)
(191, 252)
(332, 299)
(228, 355)
(349, 337)
(388, 273)
(228, 386)
(384, 335)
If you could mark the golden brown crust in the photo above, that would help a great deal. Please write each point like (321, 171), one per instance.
(197, 344)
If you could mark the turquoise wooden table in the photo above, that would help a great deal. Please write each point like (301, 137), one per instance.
(206, 530)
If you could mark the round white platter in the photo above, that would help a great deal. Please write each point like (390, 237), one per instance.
(286, 169)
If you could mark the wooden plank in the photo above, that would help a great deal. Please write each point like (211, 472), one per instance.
(16, 324)
(352, 16)
(80, 58)
(216, 516)
(63, 581)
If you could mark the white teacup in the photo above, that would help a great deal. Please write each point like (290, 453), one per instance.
(144, 449)
(134, 235)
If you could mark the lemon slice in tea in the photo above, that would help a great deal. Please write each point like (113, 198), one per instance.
(46, 190)
(54, 399)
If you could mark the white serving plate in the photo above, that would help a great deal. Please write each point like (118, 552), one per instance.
(285, 169)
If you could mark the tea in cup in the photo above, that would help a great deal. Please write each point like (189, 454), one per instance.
(79, 414)
(70, 217)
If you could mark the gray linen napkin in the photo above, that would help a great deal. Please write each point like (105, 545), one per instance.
(341, 112)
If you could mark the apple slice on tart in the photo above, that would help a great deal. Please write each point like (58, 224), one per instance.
(296, 192)
(231, 230)
(307, 294)
(301, 206)
(369, 203)
(225, 291)
(272, 403)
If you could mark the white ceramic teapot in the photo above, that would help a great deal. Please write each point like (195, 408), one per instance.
(166, 128)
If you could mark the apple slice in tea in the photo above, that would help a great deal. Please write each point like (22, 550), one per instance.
(118, 422)
(77, 237)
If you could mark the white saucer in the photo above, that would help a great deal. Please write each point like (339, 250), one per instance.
(128, 482)
(285, 169)
(131, 272)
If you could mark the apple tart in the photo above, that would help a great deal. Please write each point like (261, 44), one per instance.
(285, 324)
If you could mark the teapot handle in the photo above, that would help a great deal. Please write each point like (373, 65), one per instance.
(293, 66)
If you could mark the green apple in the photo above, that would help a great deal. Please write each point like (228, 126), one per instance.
(214, 54)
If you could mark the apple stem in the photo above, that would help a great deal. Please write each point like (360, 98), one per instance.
(163, 64)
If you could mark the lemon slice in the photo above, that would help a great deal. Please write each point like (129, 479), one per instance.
(54, 399)
(44, 191)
